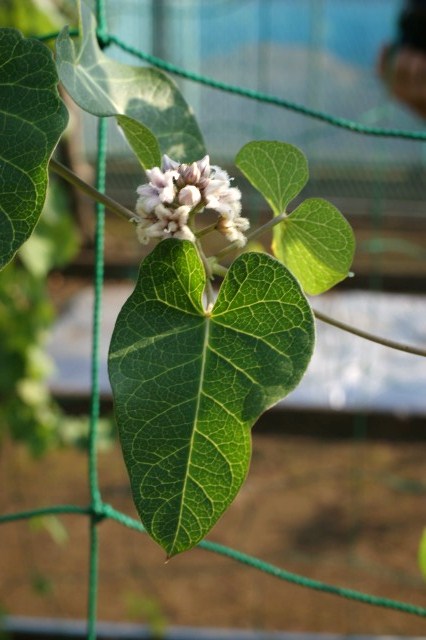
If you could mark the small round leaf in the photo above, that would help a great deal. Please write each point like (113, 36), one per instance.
(278, 170)
(316, 243)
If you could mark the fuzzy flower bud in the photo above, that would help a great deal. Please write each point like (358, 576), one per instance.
(168, 164)
(161, 188)
(233, 229)
(189, 196)
(190, 173)
(174, 190)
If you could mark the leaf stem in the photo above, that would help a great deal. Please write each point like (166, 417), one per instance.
(73, 179)
(209, 275)
(206, 230)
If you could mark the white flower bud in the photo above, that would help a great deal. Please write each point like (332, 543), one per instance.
(189, 196)
(141, 232)
(174, 190)
(233, 229)
(162, 212)
(219, 175)
(182, 214)
(185, 233)
(155, 177)
(204, 167)
(168, 164)
(172, 226)
(156, 230)
(242, 224)
(190, 173)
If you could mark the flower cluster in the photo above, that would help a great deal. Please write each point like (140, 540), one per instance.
(175, 191)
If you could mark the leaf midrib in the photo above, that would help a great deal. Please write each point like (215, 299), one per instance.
(194, 430)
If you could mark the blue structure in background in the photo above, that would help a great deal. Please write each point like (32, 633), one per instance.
(319, 53)
(350, 29)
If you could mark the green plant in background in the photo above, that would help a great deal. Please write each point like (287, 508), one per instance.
(143, 608)
(422, 554)
(34, 17)
(27, 411)
(4, 635)
(41, 584)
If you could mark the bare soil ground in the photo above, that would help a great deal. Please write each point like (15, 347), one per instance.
(344, 512)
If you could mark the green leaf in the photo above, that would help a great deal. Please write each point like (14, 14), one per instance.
(32, 119)
(53, 525)
(277, 169)
(188, 384)
(105, 87)
(316, 243)
(32, 17)
(142, 141)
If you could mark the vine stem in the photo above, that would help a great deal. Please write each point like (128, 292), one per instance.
(369, 336)
(109, 203)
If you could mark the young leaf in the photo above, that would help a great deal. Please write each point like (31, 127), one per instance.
(32, 119)
(316, 243)
(277, 169)
(105, 87)
(142, 141)
(188, 384)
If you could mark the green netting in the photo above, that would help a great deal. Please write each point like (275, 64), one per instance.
(98, 510)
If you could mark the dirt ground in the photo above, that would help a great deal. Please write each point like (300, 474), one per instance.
(341, 511)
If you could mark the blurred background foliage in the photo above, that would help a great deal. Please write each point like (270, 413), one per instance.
(28, 413)
(36, 17)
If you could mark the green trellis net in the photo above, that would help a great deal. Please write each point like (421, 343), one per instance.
(98, 510)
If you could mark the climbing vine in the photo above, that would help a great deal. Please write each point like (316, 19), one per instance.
(200, 350)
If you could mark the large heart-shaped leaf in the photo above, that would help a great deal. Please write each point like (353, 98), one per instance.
(188, 383)
(32, 119)
(317, 244)
(105, 87)
(277, 169)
